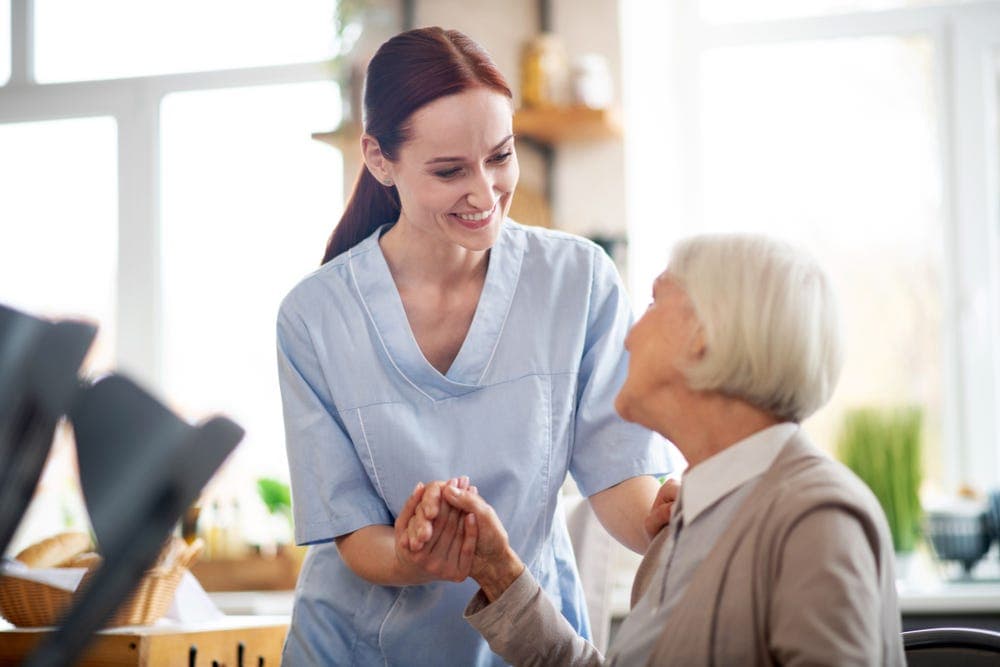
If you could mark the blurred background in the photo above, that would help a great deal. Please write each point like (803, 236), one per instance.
(170, 170)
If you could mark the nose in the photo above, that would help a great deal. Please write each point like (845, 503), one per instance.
(481, 196)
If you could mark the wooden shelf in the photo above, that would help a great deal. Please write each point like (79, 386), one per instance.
(555, 125)
(344, 138)
(548, 125)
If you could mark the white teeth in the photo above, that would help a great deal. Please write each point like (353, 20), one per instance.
(475, 217)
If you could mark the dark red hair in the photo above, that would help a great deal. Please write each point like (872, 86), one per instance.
(409, 71)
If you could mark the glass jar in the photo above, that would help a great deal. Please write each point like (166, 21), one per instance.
(544, 72)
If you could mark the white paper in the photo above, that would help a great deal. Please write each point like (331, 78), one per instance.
(191, 603)
(63, 578)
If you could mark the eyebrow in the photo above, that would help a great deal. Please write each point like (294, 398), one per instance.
(459, 159)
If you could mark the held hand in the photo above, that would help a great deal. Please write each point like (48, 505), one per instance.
(448, 553)
(421, 528)
(663, 504)
(495, 566)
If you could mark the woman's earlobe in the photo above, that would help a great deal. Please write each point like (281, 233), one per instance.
(375, 160)
(698, 345)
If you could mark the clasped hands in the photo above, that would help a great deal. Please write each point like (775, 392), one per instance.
(447, 531)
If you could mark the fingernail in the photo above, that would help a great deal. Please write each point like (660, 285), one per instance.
(417, 487)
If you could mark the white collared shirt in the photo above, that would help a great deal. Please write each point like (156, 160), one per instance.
(711, 494)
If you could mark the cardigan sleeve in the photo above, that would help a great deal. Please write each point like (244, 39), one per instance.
(524, 628)
(825, 604)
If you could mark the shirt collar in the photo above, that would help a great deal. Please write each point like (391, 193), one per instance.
(721, 474)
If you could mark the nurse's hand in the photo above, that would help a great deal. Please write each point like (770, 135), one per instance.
(663, 504)
(421, 527)
(495, 566)
(447, 555)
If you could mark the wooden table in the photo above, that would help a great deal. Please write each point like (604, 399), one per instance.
(233, 641)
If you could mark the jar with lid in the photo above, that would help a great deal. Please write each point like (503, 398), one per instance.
(591, 81)
(544, 72)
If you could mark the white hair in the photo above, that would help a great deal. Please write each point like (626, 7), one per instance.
(770, 321)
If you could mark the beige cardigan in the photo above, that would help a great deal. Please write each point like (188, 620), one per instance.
(747, 603)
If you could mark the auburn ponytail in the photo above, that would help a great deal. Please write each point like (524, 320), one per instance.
(371, 204)
(409, 71)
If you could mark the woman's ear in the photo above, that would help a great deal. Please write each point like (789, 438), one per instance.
(375, 161)
(698, 344)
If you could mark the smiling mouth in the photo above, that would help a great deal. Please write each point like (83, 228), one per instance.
(477, 217)
(476, 220)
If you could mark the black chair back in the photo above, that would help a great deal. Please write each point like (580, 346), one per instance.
(968, 647)
(39, 362)
(140, 466)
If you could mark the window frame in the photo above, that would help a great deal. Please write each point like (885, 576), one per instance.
(134, 103)
(965, 38)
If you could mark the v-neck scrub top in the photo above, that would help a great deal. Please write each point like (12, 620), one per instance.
(529, 397)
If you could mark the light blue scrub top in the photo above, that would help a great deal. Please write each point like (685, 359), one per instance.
(529, 397)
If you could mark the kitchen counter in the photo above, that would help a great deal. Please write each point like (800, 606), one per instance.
(231, 640)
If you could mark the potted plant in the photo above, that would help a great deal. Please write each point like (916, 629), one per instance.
(882, 447)
(277, 497)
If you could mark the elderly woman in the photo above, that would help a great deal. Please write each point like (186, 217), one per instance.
(775, 553)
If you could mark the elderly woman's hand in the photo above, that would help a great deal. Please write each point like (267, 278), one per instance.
(663, 505)
(495, 565)
(447, 552)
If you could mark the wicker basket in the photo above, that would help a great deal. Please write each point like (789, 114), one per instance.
(32, 604)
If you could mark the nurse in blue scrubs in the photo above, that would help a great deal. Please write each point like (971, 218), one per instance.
(440, 338)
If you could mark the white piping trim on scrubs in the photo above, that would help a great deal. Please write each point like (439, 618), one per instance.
(378, 334)
(496, 343)
(364, 434)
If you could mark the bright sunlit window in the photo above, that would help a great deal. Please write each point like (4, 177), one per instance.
(58, 258)
(764, 10)
(79, 41)
(249, 200)
(176, 211)
(865, 131)
(58, 238)
(833, 145)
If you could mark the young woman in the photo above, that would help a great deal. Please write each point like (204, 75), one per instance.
(441, 338)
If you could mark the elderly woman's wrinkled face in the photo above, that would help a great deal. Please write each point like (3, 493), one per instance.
(661, 344)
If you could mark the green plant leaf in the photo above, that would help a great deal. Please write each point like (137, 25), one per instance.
(276, 496)
(882, 447)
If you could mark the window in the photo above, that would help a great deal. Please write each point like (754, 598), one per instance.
(58, 240)
(174, 210)
(832, 144)
(58, 258)
(248, 204)
(764, 10)
(79, 41)
(866, 131)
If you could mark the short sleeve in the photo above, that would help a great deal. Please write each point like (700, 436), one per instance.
(607, 449)
(332, 494)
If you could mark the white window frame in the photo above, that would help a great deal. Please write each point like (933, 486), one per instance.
(965, 38)
(134, 103)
